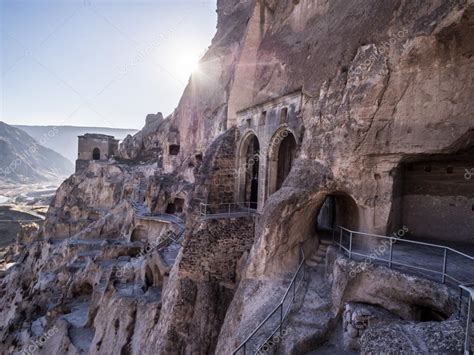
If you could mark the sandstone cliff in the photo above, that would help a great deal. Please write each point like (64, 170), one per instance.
(382, 83)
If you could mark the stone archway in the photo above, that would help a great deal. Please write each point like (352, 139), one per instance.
(280, 159)
(139, 234)
(338, 209)
(248, 168)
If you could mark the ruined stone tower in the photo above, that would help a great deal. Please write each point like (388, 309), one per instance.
(94, 147)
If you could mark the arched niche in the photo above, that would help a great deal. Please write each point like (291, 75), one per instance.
(248, 170)
(96, 154)
(281, 154)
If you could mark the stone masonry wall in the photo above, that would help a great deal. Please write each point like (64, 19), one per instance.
(215, 248)
(217, 174)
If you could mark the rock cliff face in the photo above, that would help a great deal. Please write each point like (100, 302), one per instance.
(127, 263)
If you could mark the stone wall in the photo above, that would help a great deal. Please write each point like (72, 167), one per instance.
(107, 144)
(215, 248)
(271, 122)
(438, 200)
(217, 173)
(358, 317)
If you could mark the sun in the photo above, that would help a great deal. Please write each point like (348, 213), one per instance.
(187, 64)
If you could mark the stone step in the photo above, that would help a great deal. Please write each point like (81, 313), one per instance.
(316, 258)
(321, 253)
(323, 247)
(325, 242)
(312, 263)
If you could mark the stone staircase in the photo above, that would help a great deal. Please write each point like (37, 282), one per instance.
(311, 320)
(318, 257)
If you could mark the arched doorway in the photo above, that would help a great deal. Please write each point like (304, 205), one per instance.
(249, 164)
(96, 154)
(281, 156)
(338, 209)
(251, 176)
(286, 154)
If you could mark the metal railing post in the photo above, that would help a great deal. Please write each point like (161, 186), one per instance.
(245, 345)
(445, 259)
(228, 210)
(294, 291)
(461, 292)
(350, 245)
(340, 241)
(467, 341)
(391, 255)
(281, 319)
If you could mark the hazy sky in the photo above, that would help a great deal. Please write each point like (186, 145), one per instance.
(98, 62)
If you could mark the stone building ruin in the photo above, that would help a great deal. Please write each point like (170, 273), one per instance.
(271, 134)
(94, 147)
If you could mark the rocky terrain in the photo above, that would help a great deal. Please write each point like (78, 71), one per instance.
(25, 161)
(129, 262)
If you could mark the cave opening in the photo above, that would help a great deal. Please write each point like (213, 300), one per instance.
(176, 206)
(174, 149)
(83, 290)
(139, 234)
(433, 198)
(149, 280)
(428, 314)
(338, 209)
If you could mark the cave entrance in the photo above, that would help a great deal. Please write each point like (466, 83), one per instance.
(281, 156)
(338, 209)
(434, 198)
(176, 206)
(83, 290)
(249, 166)
(174, 149)
(427, 314)
(96, 154)
(149, 279)
(139, 234)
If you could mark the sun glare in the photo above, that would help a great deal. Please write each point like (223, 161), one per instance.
(187, 64)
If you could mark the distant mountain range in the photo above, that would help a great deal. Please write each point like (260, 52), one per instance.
(63, 139)
(23, 160)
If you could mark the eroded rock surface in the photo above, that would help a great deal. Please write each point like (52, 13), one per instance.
(382, 84)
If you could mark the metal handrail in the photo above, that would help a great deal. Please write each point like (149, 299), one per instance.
(205, 209)
(278, 308)
(469, 288)
(444, 274)
(409, 241)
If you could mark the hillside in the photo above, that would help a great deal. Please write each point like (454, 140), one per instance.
(25, 161)
(63, 139)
